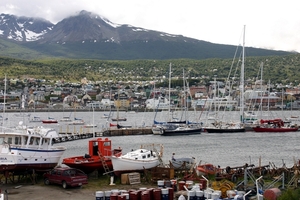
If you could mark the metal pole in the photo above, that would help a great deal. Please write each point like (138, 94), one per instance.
(93, 122)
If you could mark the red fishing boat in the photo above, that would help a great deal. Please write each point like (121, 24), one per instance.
(274, 125)
(99, 151)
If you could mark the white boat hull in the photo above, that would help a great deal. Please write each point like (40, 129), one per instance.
(157, 130)
(18, 158)
(134, 161)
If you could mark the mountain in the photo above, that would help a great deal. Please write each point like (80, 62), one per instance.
(89, 36)
(23, 29)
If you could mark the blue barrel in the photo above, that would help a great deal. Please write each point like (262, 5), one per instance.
(107, 195)
(192, 194)
(164, 194)
(199, 195)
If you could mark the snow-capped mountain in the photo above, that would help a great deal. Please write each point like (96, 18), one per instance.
(85, 26)
(23, 28)
(91, 36)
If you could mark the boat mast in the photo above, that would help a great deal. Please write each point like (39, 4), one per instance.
(170, 91)
(242, 79)
(4, 102)
(184, 98)
(261, 89)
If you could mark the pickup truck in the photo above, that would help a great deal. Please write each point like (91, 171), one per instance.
(66, 177)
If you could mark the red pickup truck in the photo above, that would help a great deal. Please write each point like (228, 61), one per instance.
(66, 176)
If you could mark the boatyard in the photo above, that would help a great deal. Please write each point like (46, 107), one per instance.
(231, 157)
(167, 183)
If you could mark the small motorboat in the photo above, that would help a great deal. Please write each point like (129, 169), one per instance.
(90, 125)
(206, 169)
(119, 119)
(136, 160)
(49, 121)
(35, 119)
(77, 122)
(65, 119)
(183, 163)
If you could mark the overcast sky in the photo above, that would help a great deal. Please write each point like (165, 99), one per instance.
(270, 24)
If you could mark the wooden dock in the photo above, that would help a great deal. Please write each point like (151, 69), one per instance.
(70, 135)
(127, 131)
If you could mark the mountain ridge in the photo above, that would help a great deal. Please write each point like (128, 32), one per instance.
(90, 36)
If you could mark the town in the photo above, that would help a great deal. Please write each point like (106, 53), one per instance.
(41, 95)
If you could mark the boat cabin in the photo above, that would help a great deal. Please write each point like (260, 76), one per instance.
(28, 138)
(28, 141)
(103, 146)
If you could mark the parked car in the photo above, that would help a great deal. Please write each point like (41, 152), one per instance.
(66, 177)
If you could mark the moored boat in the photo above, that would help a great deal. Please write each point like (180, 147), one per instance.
(119, 119)
(35, 119)
(99, 151)
(65, 119)
(136, 160)
(226, 128)
(181, 130)
(89, 125)
(275, 125)
(26, 148)
(49, 121)
(77, 121)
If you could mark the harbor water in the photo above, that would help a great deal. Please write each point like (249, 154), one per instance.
(226, 149)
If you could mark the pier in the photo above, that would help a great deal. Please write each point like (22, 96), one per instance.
(127, 131)
(83, 133)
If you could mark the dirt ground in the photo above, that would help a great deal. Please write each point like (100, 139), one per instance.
(56, 192)
(38, 192)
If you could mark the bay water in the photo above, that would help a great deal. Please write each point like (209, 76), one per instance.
(225, 149)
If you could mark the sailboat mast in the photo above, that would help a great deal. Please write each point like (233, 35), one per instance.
(242, 79)
(184, 97)
(170, 90)
(4, 102)
(261, 89)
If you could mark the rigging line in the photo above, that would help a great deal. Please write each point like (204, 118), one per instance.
(255, 86)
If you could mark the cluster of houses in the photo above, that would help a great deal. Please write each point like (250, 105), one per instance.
(37, 94)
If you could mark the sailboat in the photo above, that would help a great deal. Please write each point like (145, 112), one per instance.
(76, 121)
(274, 125)
(118, 105)
(232, 127)
(65, 118)
(181, 127)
